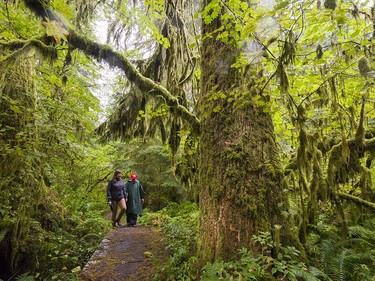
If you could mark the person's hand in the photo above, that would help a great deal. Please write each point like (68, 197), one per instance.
(109, 202)
(143, 200)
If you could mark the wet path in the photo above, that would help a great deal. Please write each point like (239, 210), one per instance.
(126, 253)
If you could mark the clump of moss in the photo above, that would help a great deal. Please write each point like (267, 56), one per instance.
(363, 66)
(319, 51)
(330, 4)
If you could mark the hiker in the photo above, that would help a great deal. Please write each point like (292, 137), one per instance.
(116, 197)
(135, 193)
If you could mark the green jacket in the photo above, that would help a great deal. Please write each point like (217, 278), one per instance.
(135, 195)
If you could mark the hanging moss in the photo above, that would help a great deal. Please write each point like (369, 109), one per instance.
(284, 81)
(340, 211)
(84, 11)
(365, 184)
(319, 51)
(344, 163)
(302, 231)
(22, 47)
(148, 86)
(174, 136)
(316, 181)
(289, 49)
(363, 66)
(302, 161)
(330, 4)
(360, 132)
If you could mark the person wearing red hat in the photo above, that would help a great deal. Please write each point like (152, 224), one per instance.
(135, 195)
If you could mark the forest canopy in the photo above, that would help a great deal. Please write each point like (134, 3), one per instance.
(259, 112)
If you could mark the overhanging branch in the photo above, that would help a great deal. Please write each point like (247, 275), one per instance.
(370, 144)
(104, 52)
(357, 200)
(21, 46)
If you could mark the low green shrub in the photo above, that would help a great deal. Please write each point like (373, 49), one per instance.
(179, 223)
(251, 266)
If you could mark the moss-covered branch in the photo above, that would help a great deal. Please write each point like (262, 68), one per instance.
(21, 46)
(370, 144)
(103, 52)
(357, 200)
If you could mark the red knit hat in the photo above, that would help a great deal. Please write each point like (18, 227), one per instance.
(133, 177)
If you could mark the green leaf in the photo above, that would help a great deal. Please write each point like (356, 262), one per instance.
(56, 30)
(281, 5)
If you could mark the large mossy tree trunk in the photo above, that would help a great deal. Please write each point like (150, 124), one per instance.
(240, 178)
(17, 187)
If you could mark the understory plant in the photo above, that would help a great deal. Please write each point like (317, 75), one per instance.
(59, 245)
(179, 223)
(330, 257)
(343, 259)
(262, 266)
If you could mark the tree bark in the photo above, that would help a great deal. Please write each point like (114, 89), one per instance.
(17, 187)
(240, 179)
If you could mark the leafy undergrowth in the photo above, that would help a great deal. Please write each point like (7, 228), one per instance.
(179, 223)
(59, 245)
(69, 243)
(285, 266)
(330, 257)
(344, 259)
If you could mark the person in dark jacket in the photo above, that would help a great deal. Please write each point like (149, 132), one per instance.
(135, 193)
(116, 197)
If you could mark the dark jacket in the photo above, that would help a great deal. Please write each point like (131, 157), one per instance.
(115, 190)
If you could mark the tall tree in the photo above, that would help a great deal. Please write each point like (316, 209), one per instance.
(19, 189)
(240, 177)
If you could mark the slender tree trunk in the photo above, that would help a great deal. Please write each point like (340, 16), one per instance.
(241, 183)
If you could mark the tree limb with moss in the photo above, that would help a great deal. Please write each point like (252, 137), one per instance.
(356, 200)
(102, 52)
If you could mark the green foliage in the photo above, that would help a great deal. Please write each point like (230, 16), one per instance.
(18, 22)
(352, 258)
(250, 266)
(179, 224)
(144, 18)
(59, 247)
(211, 11)
(261, 266)
(56, 30)
(25, 277)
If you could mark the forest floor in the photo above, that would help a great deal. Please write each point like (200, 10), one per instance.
(127, 253)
